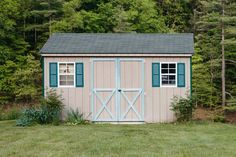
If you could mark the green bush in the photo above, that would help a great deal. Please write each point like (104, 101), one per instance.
(29, 116)
(230, 108)
(51, 108)
(74, 117)
(219, 118)
(183, 108)
(48, 112)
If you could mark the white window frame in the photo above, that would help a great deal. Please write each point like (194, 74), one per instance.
(58, 77)
(175, 85)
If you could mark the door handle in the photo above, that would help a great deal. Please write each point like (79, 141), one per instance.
(119, 90)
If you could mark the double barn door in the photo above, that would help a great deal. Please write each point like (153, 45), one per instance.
(117, 89)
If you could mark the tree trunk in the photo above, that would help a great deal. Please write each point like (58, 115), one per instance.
(223, 55)
(35, 32)
(50, 31)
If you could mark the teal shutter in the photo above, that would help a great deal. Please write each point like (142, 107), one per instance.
(181, 74)
(155, 74)
(53, 74)
(79, 75)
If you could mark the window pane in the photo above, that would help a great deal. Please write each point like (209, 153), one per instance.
(70, 68)
(172, 82)
(66, 80)
(62, 77)
(62, 65)
(62, 71)
(172, 77)
(172, 71)
(164, 77)
(62, 68)
(171, 65)
(164, 82)
(70, 83)
(164, 65)
(70, 78)
(62, 83)
(168, 70)
(164, 71)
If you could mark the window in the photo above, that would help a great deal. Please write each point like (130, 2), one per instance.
(66, 74)
(168, 74)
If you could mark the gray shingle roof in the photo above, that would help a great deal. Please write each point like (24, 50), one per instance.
(136, 43)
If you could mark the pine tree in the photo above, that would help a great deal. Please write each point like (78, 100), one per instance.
(39, 17)
(215, 38)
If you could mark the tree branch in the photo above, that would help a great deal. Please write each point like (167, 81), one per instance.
(233, 61)
(229, 94)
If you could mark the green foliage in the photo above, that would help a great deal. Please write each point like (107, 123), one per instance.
(20, 79)
(183, 108)
(230, 108)
(115, 16)
(219, 118)
(9, 114)
(51, 107)
(177, 14)
(48, 112)
(25, 25)
(74, 117)
(29, 116)
(207, 73)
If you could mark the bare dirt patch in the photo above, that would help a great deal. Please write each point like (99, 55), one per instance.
(203, 114)
(231, 117)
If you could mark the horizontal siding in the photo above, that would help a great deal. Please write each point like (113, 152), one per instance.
(157, 100)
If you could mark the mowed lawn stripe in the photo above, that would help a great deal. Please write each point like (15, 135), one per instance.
(164, 140)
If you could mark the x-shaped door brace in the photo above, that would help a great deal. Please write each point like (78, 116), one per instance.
(104, 103)
(131, 103)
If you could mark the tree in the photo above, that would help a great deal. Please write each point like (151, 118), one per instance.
(38, 17)
(177, 14)
(214, 17)
(19, 79)
(115, 16)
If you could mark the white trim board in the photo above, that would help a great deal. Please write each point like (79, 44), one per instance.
(116, 55)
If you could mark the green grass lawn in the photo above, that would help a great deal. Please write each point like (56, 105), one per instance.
(168, 140)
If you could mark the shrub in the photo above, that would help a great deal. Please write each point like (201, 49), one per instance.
(230, 108)
(219, 118)
(51, 108)
(74, 117)
(29, 116)
(183, 108)
(48, 112)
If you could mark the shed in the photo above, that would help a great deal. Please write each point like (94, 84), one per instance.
(119, 77)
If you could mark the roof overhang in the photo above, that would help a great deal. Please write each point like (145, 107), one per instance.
(116, 55)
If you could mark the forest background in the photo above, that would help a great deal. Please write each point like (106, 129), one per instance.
(25, 25)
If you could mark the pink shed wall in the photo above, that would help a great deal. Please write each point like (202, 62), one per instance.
(157, 99)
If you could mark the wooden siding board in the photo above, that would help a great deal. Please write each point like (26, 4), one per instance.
(157, 109)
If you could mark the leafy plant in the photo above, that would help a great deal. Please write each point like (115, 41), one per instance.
(48, 112)
(219, 118)
(51, 108)
(183, 108)
(74, 117)
(29, 116)
(230, 108)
